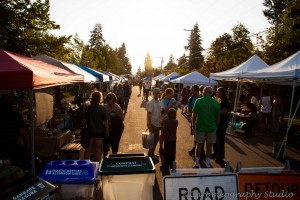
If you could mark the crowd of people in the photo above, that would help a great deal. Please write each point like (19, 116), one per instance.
(104, 119)
(208, 112)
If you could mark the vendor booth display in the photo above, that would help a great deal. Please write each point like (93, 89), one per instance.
(24, 73)
(285, 72)
(237, 74)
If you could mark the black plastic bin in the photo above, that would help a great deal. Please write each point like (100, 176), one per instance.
(127, 175)
(27, 188)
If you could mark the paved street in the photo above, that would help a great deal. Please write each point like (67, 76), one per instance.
(251, 151)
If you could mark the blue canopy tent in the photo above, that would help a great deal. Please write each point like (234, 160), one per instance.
(147, 78)
(102, 77)
(111, 77)
(114, 77)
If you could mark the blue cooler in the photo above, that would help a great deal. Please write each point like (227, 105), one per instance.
(76, 179)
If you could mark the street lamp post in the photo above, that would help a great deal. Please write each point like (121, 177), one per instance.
(190, 42)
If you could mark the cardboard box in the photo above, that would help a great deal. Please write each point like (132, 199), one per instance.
(71, 151)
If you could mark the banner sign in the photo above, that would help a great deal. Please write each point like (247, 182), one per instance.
(256, 186)
(214, 187)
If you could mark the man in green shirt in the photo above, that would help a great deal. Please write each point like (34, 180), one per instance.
(205, 119)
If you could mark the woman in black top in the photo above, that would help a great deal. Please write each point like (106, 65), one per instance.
(219, 146)
(116, 125)
(96, 119)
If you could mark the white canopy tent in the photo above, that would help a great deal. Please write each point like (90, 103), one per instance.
(285, 72)
(237, 74)
(169, 76)
(234, 74)
(195, 78)
(68, 66)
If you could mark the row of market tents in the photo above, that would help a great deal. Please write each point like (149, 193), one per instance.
(21, 72)
(285, 72)
(18, 72)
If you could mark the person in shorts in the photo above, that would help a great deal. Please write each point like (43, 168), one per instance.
(205, 119)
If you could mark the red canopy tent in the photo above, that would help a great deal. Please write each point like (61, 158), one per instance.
(21, 72)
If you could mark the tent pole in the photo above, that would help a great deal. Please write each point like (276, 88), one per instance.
(239, 94)
(236, 93)
(292, 100)
(287, 131)
(32, 133)
(289, 118)
(236, 100)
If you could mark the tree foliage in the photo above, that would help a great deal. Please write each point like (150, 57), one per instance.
(102, 57)
(284, 36)
(196, 58)
(171, 63)
(24, 29)
(229, 50)
(96, 40)
(148, 65)
(125, 62)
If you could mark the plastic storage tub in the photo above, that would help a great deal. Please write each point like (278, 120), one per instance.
(27, 188)
(127, 176)
(76, 179)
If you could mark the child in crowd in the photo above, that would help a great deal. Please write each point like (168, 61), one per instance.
(170, 124)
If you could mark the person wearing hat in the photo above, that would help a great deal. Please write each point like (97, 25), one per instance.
(205, 119)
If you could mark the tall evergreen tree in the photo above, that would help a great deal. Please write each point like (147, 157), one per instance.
(138, 74)
(171, 63)
(196, 58)
(125, 62)
(148, 65)
(274, 12)
(96, 38)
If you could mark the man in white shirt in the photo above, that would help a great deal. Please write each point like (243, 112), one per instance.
(153, 120)
(265, 111)
(254, 101)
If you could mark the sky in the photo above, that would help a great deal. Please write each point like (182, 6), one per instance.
(156, 26)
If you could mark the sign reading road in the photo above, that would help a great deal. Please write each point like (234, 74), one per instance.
(214, 187)
(269, 186)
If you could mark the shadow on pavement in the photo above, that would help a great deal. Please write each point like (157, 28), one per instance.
(156, 191)
(234, 146)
